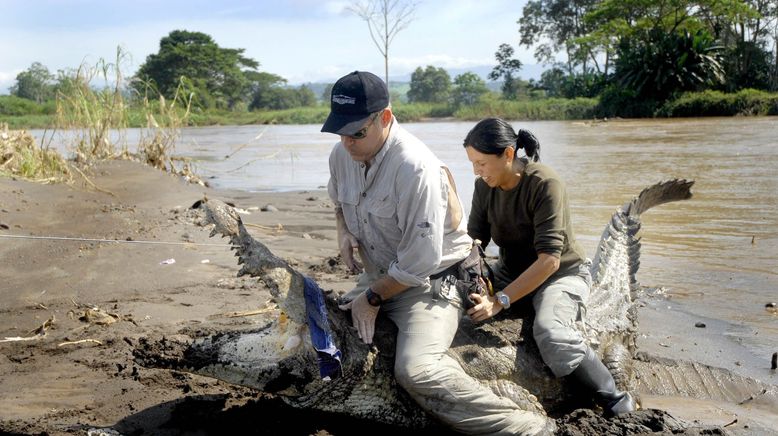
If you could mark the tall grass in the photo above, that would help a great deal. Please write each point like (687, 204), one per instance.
(164, 120)
(100, 114)
(93, 113)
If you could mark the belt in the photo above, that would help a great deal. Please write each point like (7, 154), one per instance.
(452, 270)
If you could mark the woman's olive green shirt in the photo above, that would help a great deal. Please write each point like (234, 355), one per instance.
(532, 218)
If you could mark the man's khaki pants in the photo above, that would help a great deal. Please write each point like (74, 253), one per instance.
(426, 328)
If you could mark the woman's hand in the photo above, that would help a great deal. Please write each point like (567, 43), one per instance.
(485, 307)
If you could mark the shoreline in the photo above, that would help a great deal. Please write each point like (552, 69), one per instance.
(81, 373)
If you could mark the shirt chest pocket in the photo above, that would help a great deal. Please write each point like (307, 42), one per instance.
(348, 203)
(383, 215)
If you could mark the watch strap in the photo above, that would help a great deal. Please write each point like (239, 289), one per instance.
(373, 298)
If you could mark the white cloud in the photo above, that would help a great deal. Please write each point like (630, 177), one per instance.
(7, 79)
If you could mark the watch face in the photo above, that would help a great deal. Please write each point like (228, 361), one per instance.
(503, 299)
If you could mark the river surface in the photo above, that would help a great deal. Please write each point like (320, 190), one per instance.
(716, 254)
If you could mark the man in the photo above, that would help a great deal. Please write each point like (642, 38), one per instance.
(396, 205)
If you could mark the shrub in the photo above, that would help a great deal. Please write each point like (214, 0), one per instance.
(543, 109)
(716, 103)
(11, 105)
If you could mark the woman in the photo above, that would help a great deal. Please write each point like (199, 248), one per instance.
(522, 205)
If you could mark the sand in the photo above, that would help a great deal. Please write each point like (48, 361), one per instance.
(165, 276)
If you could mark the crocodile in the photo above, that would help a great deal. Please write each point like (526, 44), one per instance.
(279, 358)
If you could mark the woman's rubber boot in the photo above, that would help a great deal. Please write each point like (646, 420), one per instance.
(594, 375)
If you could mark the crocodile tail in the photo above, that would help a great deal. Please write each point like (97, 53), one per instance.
(611, 313)
(617, 258)
(661, 193)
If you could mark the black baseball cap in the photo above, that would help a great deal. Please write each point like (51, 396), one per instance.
(354, 97)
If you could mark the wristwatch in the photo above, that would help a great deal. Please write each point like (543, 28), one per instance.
(503, 299)
(373, 298)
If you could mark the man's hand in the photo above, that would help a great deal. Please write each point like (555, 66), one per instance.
(348, 244)
(485, 307)
(363, 316)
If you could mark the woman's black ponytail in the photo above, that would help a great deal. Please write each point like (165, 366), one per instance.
(526, 140)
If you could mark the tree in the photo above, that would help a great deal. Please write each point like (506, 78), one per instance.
(266, 90)
(748, 65)
(430, 85)
(385, 19)
(35, 84)
(216, 74)
(269, 91)
(553, 81)
(747, 32)
(468, 89)
(557, 25)
(506, 68)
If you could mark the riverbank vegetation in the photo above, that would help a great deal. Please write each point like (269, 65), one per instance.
(95, 103)
(604, 59)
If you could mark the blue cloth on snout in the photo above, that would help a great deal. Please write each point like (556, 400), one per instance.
(321, 336)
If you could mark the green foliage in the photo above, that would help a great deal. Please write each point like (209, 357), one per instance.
(429, 85)
(409, 112)
(35, 84)
(716, 103)
(747, 65)
(507, 68)
(557, 83)
(11, 105)
(662, 64)
(269, 91)
(29, 121)
(552, 26)
(215, 74)
(468, 89)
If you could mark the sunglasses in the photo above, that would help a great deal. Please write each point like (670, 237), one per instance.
(361, 133)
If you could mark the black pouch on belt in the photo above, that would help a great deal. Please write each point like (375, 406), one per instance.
(475, 276)
(472, 275)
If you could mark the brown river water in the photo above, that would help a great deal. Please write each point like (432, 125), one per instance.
(715, 255)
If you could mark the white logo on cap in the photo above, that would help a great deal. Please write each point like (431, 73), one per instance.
(343, 99)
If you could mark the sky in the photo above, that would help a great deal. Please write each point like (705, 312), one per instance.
(300, 40)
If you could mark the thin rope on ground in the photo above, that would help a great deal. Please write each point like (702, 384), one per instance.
(118, 241)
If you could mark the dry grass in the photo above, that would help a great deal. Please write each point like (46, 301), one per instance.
(98, 115)
(164, 120)
(92, 103)
(20, 156)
